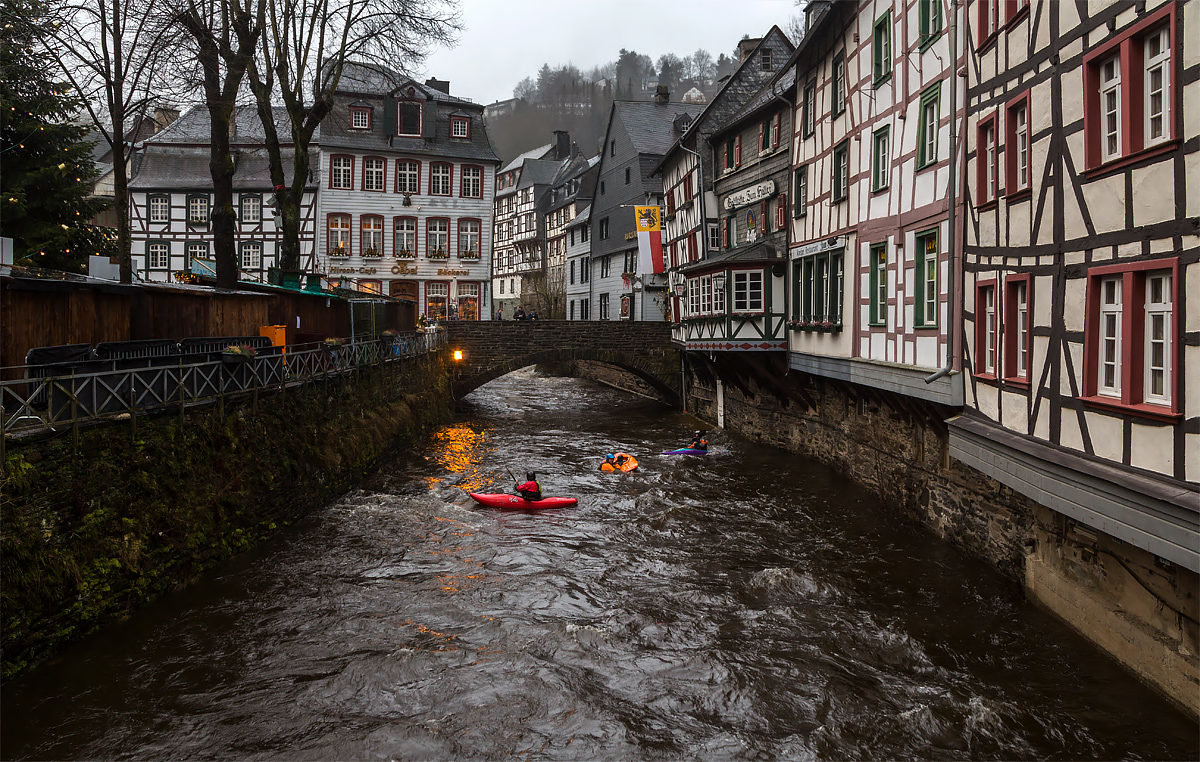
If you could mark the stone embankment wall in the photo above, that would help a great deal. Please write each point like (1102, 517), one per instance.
(1141, 610)
(91, 534)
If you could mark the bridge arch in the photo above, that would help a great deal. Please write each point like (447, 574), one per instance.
(491, 349)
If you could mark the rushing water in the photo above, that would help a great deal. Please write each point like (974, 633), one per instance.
(745, 605)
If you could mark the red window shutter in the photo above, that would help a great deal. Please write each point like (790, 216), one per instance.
(737, 151)
(671, 202)
(693, 246)
(724, 156)
(725, 233)
(775, 127)
(781, 212)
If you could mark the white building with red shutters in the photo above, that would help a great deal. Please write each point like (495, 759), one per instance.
(405, 198)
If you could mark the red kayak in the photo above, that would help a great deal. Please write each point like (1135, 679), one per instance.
(518, 503)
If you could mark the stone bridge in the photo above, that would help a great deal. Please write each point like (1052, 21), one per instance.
(492, 348)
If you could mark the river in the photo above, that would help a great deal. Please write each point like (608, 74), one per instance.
(746, 605)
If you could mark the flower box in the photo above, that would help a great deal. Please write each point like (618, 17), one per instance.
(406, 254)
(339, 253)
(438, 254)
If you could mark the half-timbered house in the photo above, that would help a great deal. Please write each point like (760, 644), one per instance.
(170, 198)
(569, 194)
(406, 193)
(1081, 243)
(873, 298)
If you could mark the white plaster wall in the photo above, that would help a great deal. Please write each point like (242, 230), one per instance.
(1016, 412)
(1154, 193)
(1152, 448)
(1107, 435)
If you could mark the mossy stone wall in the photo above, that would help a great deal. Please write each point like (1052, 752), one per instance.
(91, 533)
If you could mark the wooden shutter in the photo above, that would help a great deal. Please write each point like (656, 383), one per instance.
(737, 151)
(670, 202)
(781, 212)
(760, 133)
(429, 119)
(776, 129)
(389, 117)
(725, 232)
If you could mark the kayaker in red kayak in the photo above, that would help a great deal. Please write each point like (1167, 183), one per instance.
(531, 489)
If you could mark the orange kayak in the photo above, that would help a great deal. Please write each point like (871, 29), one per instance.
(629, 464)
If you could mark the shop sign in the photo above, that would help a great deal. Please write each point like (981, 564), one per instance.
(352, 270)
(451, 271)
(404, 269)
(745, 196)
(817, 247)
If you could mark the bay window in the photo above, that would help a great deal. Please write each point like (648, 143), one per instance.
(819, 283)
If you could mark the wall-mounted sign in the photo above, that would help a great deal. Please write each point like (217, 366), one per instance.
(352, 270)
(631, 235)
(817, 247)
(745, 196)
(451, 271)
(404, 269)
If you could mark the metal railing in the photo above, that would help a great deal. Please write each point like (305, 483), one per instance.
(62, 396)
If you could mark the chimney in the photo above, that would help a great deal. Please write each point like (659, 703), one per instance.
(441, 85)
(562, 144)
(814, 9)
(747, 46)
(662, 96)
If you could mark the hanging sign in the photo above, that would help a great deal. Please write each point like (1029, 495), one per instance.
(745, 196)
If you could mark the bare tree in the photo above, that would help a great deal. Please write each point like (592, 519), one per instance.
(114, 53)
(302, 55)
(704, 68)
(224, 34)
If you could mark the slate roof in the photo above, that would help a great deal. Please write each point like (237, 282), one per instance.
(193, 127)
(170, 167)
(538, 172)
(584, 216)
(763, 98)
(540, 152)
(650, 125)
(375, 79)
(759, 251)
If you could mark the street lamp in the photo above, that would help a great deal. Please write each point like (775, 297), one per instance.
(680, 288)
(718, 280)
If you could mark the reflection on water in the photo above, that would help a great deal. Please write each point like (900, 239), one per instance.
(746, 605)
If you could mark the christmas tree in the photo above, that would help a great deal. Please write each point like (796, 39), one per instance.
(46, 171)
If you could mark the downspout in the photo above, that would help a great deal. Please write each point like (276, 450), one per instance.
(951, 193)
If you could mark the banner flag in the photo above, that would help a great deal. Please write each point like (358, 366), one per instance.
(648, 223)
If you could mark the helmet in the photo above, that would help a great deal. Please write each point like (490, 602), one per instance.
(610, 456)
(699, 434)
(531, 476)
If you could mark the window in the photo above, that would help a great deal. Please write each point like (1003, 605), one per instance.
(460, 127)
(927, 139)
(929, 14)
(882, 48)
(437, 300)
(440, 175)
(158, 255)
(1017, 146)
(159, 207)
(197, 210)
(404, 240)
(604, 267)
(781, 212)
(408, 118)
(341, 172)
(841, 171)
(196, 250)
(766, 60)
(370, 286)
(1130, 83)
(468, 239)
(339, 235)
(601, 187)
(468, 301)
(604, 229)
(878, 264)
(251, 209)
(584, 233)
(408, 176)
(776, 136)
(1158, 86)
(764, 136)
(437, 238)
(612, 148)
(819, 280)
(1017, 335)
(585, 269)
(727, 155)
(985, 328)
(808, 110)
(572, 272)
(799, 192)
(748, 291)
(604, 306)
(472, 182)
(985, 160)
(926, 306)
(360, 118)
(372, 235)
(988, 12)
(1131, 336)
(838, 87)
(714, 236)
(251, 255)
(627, 175)
(880, 159)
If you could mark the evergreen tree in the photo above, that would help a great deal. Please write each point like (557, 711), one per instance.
(47, 172)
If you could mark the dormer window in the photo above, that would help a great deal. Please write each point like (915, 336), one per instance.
(408, 119)
(460, 127)
(360, 118)
(767, 60)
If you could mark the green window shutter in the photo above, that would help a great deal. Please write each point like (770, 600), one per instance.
(389, 117)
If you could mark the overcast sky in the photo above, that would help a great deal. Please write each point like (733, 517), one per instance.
(504, 41)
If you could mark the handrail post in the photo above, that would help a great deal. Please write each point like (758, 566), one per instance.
(74, 415)
(179, 382)
(132, 409)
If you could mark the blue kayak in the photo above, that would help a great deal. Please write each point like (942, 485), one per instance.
(685, 451)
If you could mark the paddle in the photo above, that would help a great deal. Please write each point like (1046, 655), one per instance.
(510, 476)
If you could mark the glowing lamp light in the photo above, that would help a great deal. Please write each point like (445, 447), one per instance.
(458, 355)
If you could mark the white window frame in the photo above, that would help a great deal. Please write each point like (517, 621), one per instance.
(372, 237)
(1021, 131)
(440, 176)
(460, 127)
(250, 255)
(469, 240)
(192, 247)
(341, 172)
(408, 176)
(1159, 311)
(1158, 64)
(158, 255)
(158, 208)
(251, 209)
(197, 210)
(748, 291)
(374, 177)
(1109, 338)
(989, 328)
(472, 182)
(990, 188)
(360, 119)
(1110, 108)
(1021, 299)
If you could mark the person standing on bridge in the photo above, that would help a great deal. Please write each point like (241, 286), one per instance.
(531, 489)
(519, 314)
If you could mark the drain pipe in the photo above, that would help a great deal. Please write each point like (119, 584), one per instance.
(952, 191)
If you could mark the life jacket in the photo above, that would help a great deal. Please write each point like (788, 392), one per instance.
(534, 488)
